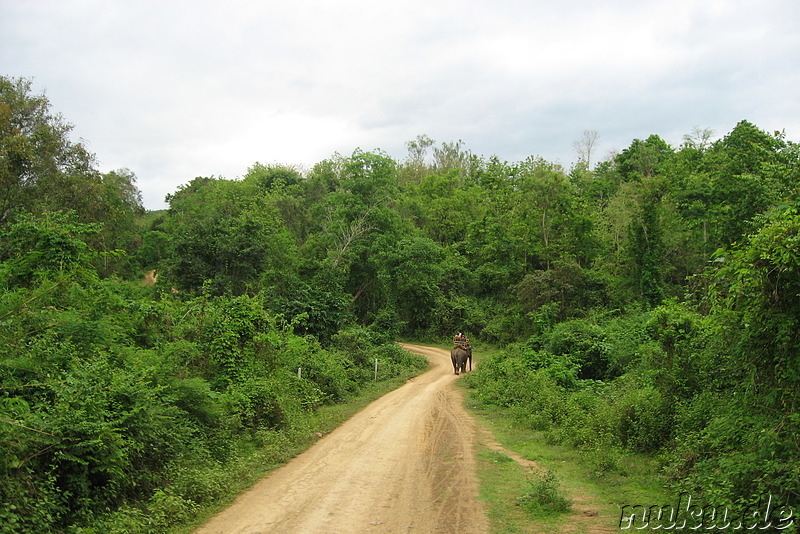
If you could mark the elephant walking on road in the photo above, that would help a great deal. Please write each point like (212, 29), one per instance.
(459, 357)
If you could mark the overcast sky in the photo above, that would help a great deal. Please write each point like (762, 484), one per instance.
(177, 89)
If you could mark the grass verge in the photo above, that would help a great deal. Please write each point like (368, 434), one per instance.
(508, 453)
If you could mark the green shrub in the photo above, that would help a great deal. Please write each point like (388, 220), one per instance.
(266, 402)
(198, 478)
(544, 497)
(583, 342)
(602, 456)
(647, 419)
(393, 361)
(195, 397)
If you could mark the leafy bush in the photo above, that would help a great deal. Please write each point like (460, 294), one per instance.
(544, 497)
(394, 361)
(647, 419)
(507, 380)
(585, 343)
(45, 247)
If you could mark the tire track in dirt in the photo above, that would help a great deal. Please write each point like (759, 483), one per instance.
(405, 463)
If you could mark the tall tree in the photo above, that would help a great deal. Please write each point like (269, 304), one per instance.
(220, 234)
(415, 166)
(40, 168)
(586, 145)
(699, 138)
(643, 158)
(547, 195)
(450, 156)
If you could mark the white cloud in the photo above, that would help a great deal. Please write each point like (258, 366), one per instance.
(173, 90)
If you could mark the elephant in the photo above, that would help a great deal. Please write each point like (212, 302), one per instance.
(459, 357)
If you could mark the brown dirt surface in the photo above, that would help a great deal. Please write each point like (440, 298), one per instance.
(404, 464)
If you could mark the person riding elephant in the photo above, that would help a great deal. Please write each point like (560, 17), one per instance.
(460, 340)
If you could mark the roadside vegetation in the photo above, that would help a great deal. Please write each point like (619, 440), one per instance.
(530, 484)
(644, 307)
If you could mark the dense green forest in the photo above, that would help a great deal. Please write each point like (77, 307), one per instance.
(646, 304)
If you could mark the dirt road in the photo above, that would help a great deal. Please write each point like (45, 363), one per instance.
(404, 464)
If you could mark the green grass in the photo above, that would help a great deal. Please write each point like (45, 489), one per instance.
(504, 484)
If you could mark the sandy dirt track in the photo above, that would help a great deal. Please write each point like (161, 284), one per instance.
(404, 464)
